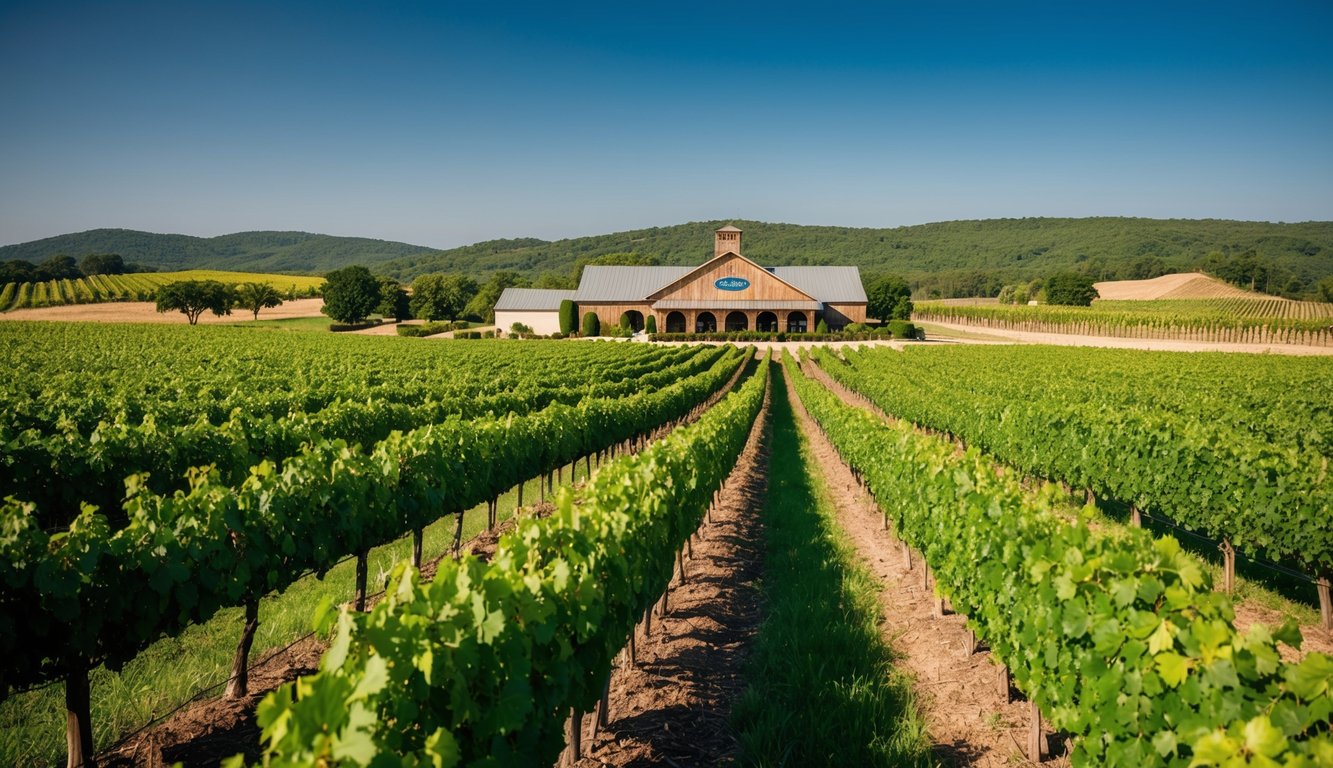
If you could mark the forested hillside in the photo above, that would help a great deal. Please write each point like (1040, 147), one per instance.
(956, 258)
(285, 252)
(953, 258)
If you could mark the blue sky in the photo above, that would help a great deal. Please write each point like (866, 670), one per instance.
(449, 123)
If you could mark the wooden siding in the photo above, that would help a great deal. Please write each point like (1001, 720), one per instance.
(698, 286)
(838, 315)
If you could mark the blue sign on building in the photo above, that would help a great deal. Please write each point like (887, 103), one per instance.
(732, 283)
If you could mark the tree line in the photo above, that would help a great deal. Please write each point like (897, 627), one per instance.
(61, 267)
(194, 297)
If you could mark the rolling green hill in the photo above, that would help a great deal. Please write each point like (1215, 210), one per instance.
(954, 258)
(270, 252)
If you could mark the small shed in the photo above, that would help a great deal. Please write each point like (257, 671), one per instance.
(537, 308)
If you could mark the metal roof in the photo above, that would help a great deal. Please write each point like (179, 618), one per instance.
(520, 299)
(828, 284)
(727, 228)
(735, 304)
(611, 283)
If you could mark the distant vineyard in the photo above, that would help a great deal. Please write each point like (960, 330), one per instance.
(140, 286)
(1233, 319)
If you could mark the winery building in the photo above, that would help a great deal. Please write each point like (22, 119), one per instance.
(726, 293)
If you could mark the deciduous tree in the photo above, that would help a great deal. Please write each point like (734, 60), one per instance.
(102, 264)
(193, 297)
(1070, 289)
(393, 300)
(889, 298)
(441, 296)
(257, 296)
(351, 294)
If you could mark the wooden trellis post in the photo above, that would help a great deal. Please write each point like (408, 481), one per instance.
(1035, 751)
(362, 566)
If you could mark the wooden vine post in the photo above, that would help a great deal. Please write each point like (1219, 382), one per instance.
(1228, 566)
(1004, 684)
(603, 706)
(1135, 518)
(238, 685)
(1035, 751)
(519, 504)
(1325, 602)
(362, 566)
(78, 720)
(575, 736)
(416, 547)
(458, 536)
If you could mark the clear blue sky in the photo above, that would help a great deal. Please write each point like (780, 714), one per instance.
(444, 124)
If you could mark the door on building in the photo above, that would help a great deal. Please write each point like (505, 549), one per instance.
(767, 322)
(737, 321)
(705, 323)
(675, 322)
(796, 322)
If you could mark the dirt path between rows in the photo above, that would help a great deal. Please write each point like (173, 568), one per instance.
(958, 693)
(1316, 638)
(673, 707)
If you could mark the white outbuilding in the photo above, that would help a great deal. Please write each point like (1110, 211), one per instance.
(536, 308)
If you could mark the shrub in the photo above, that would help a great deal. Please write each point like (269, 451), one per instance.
(650, 325)
(822, 327)
(569, 317)
(426, 329)
(519, 329)
(590, 324)
(558, 335)
(901, 329)
(625, 321)
(343, 327)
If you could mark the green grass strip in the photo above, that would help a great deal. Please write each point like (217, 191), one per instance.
(822, 687)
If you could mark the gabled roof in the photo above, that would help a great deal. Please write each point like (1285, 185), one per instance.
(608, 284)
(612, 283)
(828, 284)
(531, 299)
(708, 264)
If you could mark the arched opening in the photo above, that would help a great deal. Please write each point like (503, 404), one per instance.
(767, 322)
(796, 322)
(705, 323)
(635, 320)
(675, 322)
(737, 321)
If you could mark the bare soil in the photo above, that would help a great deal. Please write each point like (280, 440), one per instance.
(673, 706)
(957, 693)
(146, 312)
(1184, 285)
